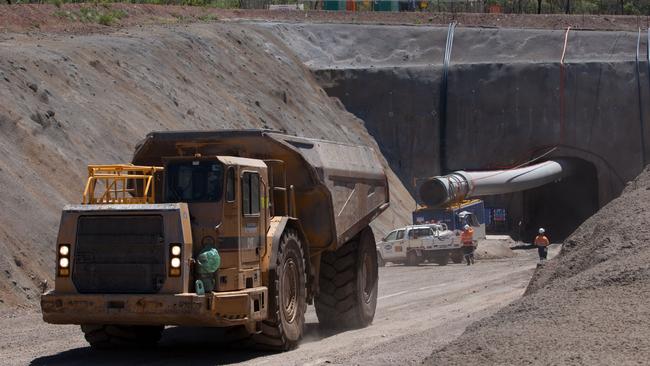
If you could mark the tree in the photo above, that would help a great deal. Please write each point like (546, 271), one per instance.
(539, 6)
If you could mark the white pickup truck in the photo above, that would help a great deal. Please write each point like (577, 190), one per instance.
(413, 245)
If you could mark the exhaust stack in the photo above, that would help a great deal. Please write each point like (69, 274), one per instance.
(461, 185)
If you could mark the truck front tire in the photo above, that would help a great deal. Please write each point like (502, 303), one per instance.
(287, 298)
(117, 336)
(348, 284)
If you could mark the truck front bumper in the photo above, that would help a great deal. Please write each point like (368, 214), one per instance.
(216, 309)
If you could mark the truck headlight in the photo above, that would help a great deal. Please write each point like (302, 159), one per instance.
(64, 262)
(176, 250)
(175, 255)
(64, 250)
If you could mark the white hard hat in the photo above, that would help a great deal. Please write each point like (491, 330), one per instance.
(541, 230)
(466, 227)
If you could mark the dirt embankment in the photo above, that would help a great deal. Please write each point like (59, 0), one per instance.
(588, 306)
(66, 101)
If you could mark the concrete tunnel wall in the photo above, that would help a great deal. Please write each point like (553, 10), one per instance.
(504, 101)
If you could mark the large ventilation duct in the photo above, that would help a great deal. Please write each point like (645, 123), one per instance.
(460, 185)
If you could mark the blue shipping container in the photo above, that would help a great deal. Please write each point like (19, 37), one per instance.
(450, 215)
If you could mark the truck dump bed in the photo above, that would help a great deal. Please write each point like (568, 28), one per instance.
(338, 188)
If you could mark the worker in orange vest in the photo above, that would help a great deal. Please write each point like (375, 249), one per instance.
(467, 241)
(542, 242)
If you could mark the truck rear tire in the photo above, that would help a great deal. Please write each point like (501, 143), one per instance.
(412, 258)
(287, 298)
(118, 336)
(457, 256)
(348, 284)
(441, 260)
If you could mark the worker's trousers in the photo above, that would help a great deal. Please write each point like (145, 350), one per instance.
(468, 251)
(543, 251)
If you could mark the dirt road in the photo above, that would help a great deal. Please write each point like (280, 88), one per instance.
(419, 309)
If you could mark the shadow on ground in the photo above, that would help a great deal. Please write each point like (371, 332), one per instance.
(179, 345)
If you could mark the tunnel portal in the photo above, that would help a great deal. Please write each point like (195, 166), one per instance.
(510, 95)
(562, 206)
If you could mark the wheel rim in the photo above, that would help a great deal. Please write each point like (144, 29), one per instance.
(367, 278)
(290, 290)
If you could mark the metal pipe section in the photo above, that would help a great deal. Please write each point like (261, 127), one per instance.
(461, 185)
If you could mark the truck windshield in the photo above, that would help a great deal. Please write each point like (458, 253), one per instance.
(194, 181)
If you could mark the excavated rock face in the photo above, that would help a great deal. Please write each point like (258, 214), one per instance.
(587, 306)
(69, 101)
(508, 100)
(506, 95)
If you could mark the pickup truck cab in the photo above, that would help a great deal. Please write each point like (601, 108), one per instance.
(413, 245)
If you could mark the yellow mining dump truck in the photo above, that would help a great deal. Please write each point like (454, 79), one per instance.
(221, 229)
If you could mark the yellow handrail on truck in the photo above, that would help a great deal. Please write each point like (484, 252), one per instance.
(120, 183)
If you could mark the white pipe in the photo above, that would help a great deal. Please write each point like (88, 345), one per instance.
(461, 185)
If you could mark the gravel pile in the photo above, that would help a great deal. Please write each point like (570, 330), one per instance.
(588, 306)
(494, 249)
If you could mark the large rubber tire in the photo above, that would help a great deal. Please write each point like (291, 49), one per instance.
(441, 260)
(287, 298)
(457, 256)
(348, 284)
(121, 336)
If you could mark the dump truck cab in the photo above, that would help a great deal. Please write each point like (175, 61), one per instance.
(221, 228)
(118, 243)
(227, 203)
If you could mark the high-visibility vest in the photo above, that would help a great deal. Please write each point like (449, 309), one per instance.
(541, 241)
(466, 236)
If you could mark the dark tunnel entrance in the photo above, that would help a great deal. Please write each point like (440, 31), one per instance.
(561, 207)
